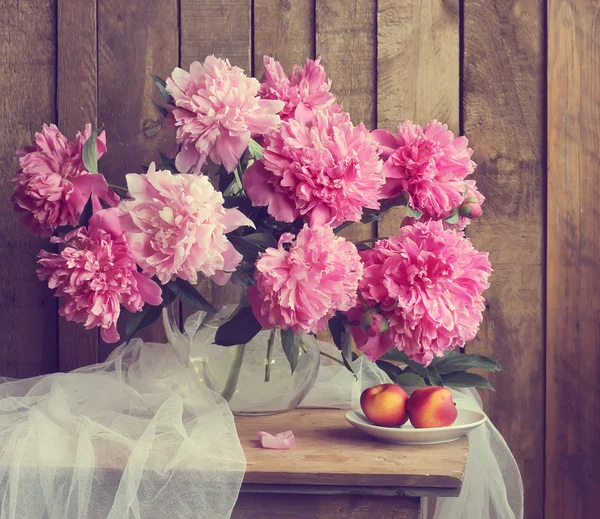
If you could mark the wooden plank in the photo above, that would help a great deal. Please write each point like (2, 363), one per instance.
(345, 39)
(28, 337)
(573, 264)
(357, 460)
(134, 38)
(298, 506)
(219, 27)
(417, 70)
(76, 105)
(503, 89)
(285, 31)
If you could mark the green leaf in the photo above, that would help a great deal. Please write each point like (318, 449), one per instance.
(161, 110)
(136, 321)
(240, 329)
(261, 239)
(241, 278)
(463, 362)
(434, 376)
(255, 150)
(400, 356)
(162, 88)
(190, 296)
(346, 350)
(87, 213)
(89, 154)
(466, 379)
(410, 380)
(390, 369)
(290, 342)
(413, 213)
(453, 218)
(247, 249)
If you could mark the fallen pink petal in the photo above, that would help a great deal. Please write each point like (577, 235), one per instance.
(281, 441)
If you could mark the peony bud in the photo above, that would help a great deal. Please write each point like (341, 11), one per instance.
(373, 322)
(470, 208)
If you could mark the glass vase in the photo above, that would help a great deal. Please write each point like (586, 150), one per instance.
(255, 378)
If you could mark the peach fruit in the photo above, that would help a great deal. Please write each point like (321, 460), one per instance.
(385, 405)
(431, 407)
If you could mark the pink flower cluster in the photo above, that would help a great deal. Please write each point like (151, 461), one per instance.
(429, 164)
(427, 282)
(217, 109)
(303, 282)
(176, 226)
(53, 185)
(325, 170)
(305, 92)
(96, 273)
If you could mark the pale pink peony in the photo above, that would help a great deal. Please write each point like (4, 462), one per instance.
(96, 273)
(303, 282)
(53, 185)
(176, 226)
(217, 109)
(429, 164)
(427, 282)
(325, 171)
(304, 92)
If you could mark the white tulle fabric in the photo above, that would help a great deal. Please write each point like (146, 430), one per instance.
(492, 487)
(135, 437)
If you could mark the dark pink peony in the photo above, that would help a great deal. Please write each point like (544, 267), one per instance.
(325, 171)
(303, 282)
(427, 282)
(217, 109)
(53, 185)
(96, 273)
(429, 164)
(305, 92)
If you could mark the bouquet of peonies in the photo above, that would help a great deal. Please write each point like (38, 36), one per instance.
(260, 181)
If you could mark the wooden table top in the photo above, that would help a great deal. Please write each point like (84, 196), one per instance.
(330, 452)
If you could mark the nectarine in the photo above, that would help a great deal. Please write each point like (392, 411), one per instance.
(431, 407)
(385, 405)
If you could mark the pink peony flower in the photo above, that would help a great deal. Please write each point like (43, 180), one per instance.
(470, 208)
(303, 282)
(53, 186)
(427, 282)
(429, 164)
(96, 273)
(326, 171)
(304, 92)
(176, 226)
(217, 109)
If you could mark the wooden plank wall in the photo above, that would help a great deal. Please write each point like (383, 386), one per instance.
(518, 77)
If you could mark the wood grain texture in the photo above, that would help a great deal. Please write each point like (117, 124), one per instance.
(134, 38)
(346, 41)
(285, 31)
(77, 68)
(573, 264)
(28, 310)
(298, 506)
(417, 70)
(504, 82)
(219, 27)
(356, 460)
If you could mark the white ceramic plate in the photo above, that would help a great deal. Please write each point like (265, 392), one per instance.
(466, 421)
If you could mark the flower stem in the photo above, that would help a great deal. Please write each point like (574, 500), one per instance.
(331, 357)
(118, 188)
(234, 373)
(270, 343)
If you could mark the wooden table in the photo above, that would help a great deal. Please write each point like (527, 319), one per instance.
(337, 471)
